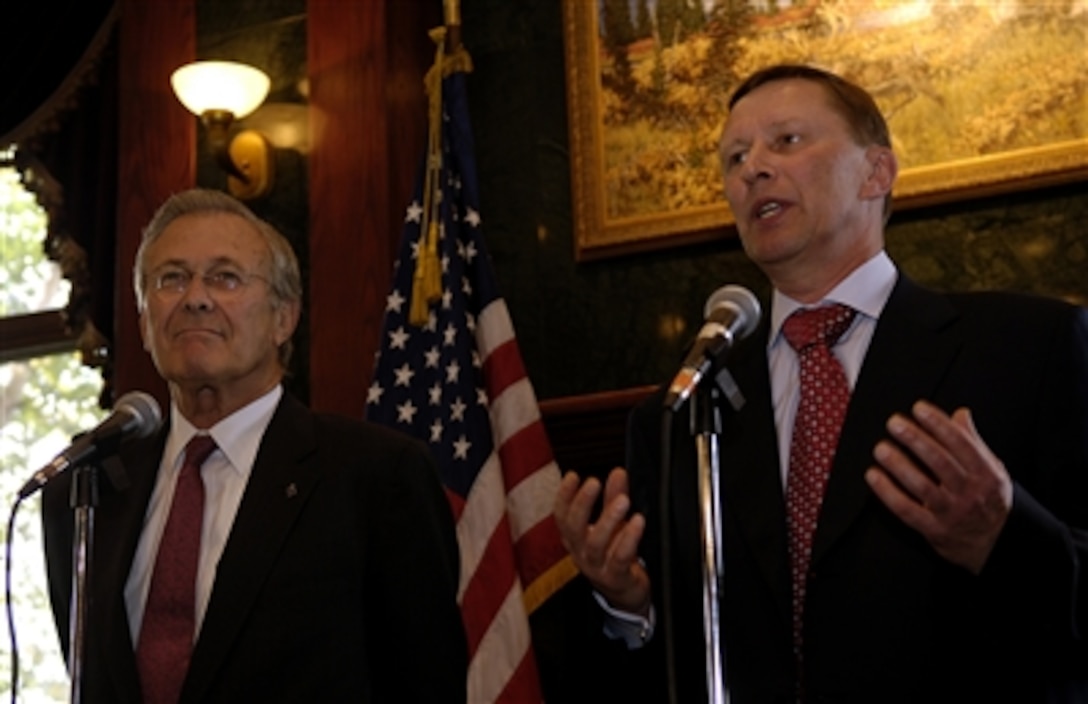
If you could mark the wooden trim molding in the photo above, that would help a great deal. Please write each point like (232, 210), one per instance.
(35, 335)
(588, 432)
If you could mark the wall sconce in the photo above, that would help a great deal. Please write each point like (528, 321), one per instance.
(220, 92)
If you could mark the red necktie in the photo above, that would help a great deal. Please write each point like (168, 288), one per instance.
(820, 412)
(166, 635)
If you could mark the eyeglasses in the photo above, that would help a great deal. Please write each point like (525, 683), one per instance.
(218, 282)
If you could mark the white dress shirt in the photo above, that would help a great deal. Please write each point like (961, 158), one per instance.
(225, 474)
(866, 290)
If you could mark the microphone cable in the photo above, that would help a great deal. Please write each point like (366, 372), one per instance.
(7, 598)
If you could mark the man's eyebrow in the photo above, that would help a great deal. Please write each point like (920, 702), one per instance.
(183, 264)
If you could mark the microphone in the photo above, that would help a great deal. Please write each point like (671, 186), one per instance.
(136, 414)
(732, 313)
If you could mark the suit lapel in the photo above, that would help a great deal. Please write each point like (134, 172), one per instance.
(915, 340)
(281, 479)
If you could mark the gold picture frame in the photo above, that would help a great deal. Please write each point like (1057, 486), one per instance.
(603, 229)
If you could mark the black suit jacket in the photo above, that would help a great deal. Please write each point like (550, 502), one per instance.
(887, 620)
(338, 581)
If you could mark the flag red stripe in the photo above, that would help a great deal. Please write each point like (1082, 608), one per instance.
(525, 452)
(538, 550)
(524, 683)
(503, 367)
(489, 585)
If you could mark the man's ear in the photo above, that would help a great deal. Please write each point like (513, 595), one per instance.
(144, 334)
(883, 169)
(287, 315)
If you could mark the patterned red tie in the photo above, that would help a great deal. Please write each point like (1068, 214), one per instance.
(166, 635)
(820, 412)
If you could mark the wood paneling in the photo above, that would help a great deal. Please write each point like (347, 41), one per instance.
(157, 147)
(365, 120)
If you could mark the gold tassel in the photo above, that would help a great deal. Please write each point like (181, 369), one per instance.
(427, 279)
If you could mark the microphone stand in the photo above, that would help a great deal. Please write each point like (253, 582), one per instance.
(706, 427)
(83, 500)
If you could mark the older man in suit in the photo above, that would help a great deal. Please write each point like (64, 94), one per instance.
(301, 557)
(913, 529)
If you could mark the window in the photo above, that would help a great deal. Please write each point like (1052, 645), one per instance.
(46, 396)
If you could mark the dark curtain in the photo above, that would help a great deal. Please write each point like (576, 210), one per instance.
(59, 109)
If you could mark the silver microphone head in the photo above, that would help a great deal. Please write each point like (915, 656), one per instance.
(742, 303)
(144, 409)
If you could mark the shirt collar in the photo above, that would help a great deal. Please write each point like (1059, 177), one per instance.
(866, 290)
(238, 435)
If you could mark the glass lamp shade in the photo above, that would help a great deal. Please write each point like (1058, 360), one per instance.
(220, 85)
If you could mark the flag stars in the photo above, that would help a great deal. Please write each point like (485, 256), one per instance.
(431, 357)
(406, 412)
(461, 448)
(466, 286)
(403, 375)
(436, 430)
(481, 396)
(398, 338)
(457, 409)
(472, 218)
(453, 371)
(414, 212)
(374, 393)
(449, 335)
(434, 394)
(447, 299)
(394, 301)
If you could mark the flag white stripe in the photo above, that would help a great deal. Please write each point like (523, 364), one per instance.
(513, 410)
(493, 328)
(501, 650)
(484, 509)
(532, 500)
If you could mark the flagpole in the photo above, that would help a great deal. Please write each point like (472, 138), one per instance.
(451, 13)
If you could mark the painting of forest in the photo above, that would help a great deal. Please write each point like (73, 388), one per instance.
(958, 80)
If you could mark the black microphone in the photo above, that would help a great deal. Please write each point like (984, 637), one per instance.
(136, 414)
(732, 313)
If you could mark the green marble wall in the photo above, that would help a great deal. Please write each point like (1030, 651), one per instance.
(623, 322)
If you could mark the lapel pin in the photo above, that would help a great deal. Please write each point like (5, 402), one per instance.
(292, 490)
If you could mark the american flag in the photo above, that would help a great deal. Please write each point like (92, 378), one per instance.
(456, 380)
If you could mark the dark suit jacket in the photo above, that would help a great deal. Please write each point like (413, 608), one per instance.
(887, 620)
(338, 581)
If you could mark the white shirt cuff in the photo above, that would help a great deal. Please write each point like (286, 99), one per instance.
(634, 630)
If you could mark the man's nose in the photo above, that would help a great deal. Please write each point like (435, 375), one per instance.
(758, 164)
(197, 295)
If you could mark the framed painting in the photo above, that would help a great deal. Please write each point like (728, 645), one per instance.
(983, 97)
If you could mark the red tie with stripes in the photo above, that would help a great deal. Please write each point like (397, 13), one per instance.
(166, 635)
(820, 412)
